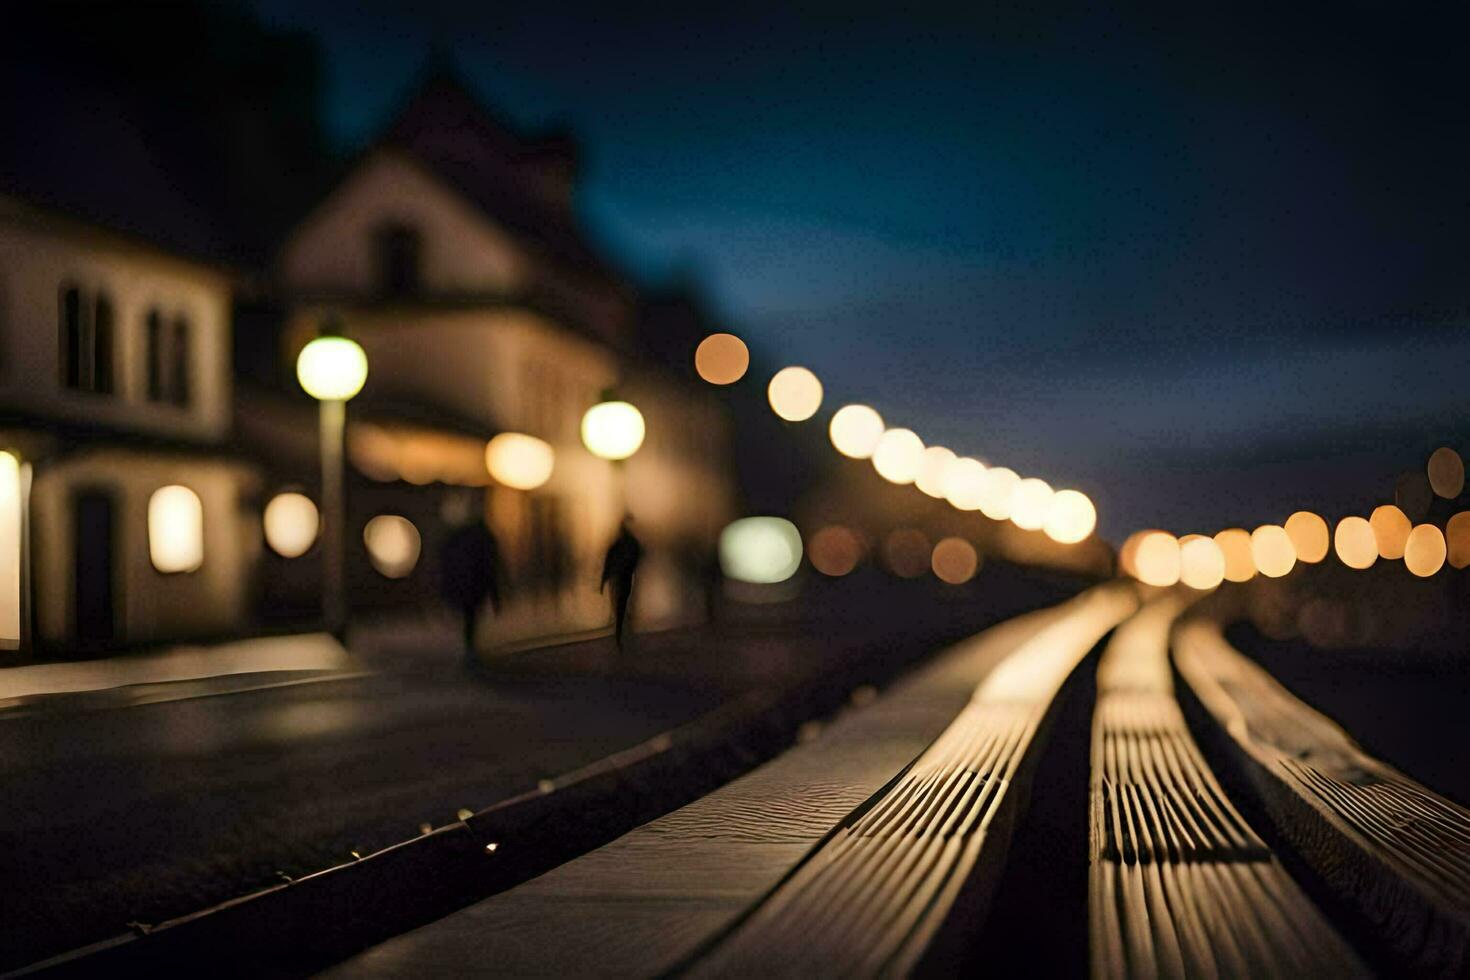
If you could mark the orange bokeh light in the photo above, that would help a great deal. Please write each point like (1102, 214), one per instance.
(721, 358)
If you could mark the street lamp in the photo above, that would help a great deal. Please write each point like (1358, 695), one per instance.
(332, 370)
(613, 430)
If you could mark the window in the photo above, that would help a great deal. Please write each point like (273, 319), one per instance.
(175, 529)
(178, 374)
(102, 345)
(85, 339)
(154, 330)
(168, 359)
(398, 256)
(72, 339)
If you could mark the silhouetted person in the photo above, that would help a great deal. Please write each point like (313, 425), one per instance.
(469, 575)
(618, 568)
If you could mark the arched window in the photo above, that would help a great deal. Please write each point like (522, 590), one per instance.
(399, 249)
(153, 330)
(102, 345)
(178, 374)
(70, 337)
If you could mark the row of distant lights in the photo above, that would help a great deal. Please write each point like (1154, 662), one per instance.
(900, 456)
(1273, 550)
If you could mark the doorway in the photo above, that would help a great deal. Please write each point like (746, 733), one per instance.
(93, 598)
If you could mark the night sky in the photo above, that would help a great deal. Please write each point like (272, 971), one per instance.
(1206, 266)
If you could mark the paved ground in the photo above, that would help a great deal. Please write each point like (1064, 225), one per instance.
(159, 801)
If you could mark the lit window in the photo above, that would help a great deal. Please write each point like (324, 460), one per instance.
(175, 529)
(291, 524)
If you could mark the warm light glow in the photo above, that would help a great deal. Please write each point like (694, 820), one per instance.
(1390, 530)
(332, 368)
(1235, 545)
(1355, 543)
(898, 456)
(1128, 553)
(834, 550)
(995, 494)
(175, 529)
(954, 561)
(721, 359)
(1424, 553)
(291, 524)
(933, 467)
(906, 552)
(9, 551)
(612, 430)
(520, 461)
(760, 550)
(1446, 472)
(393, 544)
(1156, 561)
(964, 481)
(795, 394)
(1272, 551)
(1030, 501)
(1201, 562)
(855, 431)
(1457, 538)
(1070, 517)
(1309, 536)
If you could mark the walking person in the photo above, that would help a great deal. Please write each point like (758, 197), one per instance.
(618, 568)
(469, 575)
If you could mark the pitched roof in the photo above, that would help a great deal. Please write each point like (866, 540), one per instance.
(523, 182)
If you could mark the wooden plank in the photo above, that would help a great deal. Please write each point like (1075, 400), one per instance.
(1179, 883)
(1392, 848)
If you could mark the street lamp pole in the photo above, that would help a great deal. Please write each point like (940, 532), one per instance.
(332, 369)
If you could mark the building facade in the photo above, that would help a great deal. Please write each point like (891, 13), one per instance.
(115, 409)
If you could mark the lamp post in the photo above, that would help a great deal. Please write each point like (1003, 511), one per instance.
(332, 370)
(613, 430)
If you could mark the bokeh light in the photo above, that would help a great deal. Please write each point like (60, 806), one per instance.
(332, 368)
(898, 455)
(613, 430)
(1457, 539)
(721, 358)
(933, 467)
(1156, 561)
(291, 524)
(964, 482)
(760, 550)
(1070, 517)
(1128, 553)
(1029, 502)
(1446, 472)
(519, 461)
(995, 494)
(955, 561)
(1355, 543)
(175, 529)
(834, 550)
(1272, 551)
(1309, 536)
(1390, 530)
(855, 431)
(906, 552)
(1235, 544)
(393, 545)
(1424, 552)
(1201, 562)
(795, 394)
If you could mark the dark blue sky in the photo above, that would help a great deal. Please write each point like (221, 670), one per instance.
(1208, 267)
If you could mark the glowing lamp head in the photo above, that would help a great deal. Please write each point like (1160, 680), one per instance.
(613, 430)
(519, 461)
(721, 359)
(332, 368)
(898, 456)
(1070, 517)
(760, 550)
(795, 394)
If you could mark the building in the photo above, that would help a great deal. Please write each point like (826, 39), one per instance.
(123, 500)
(450, 251)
